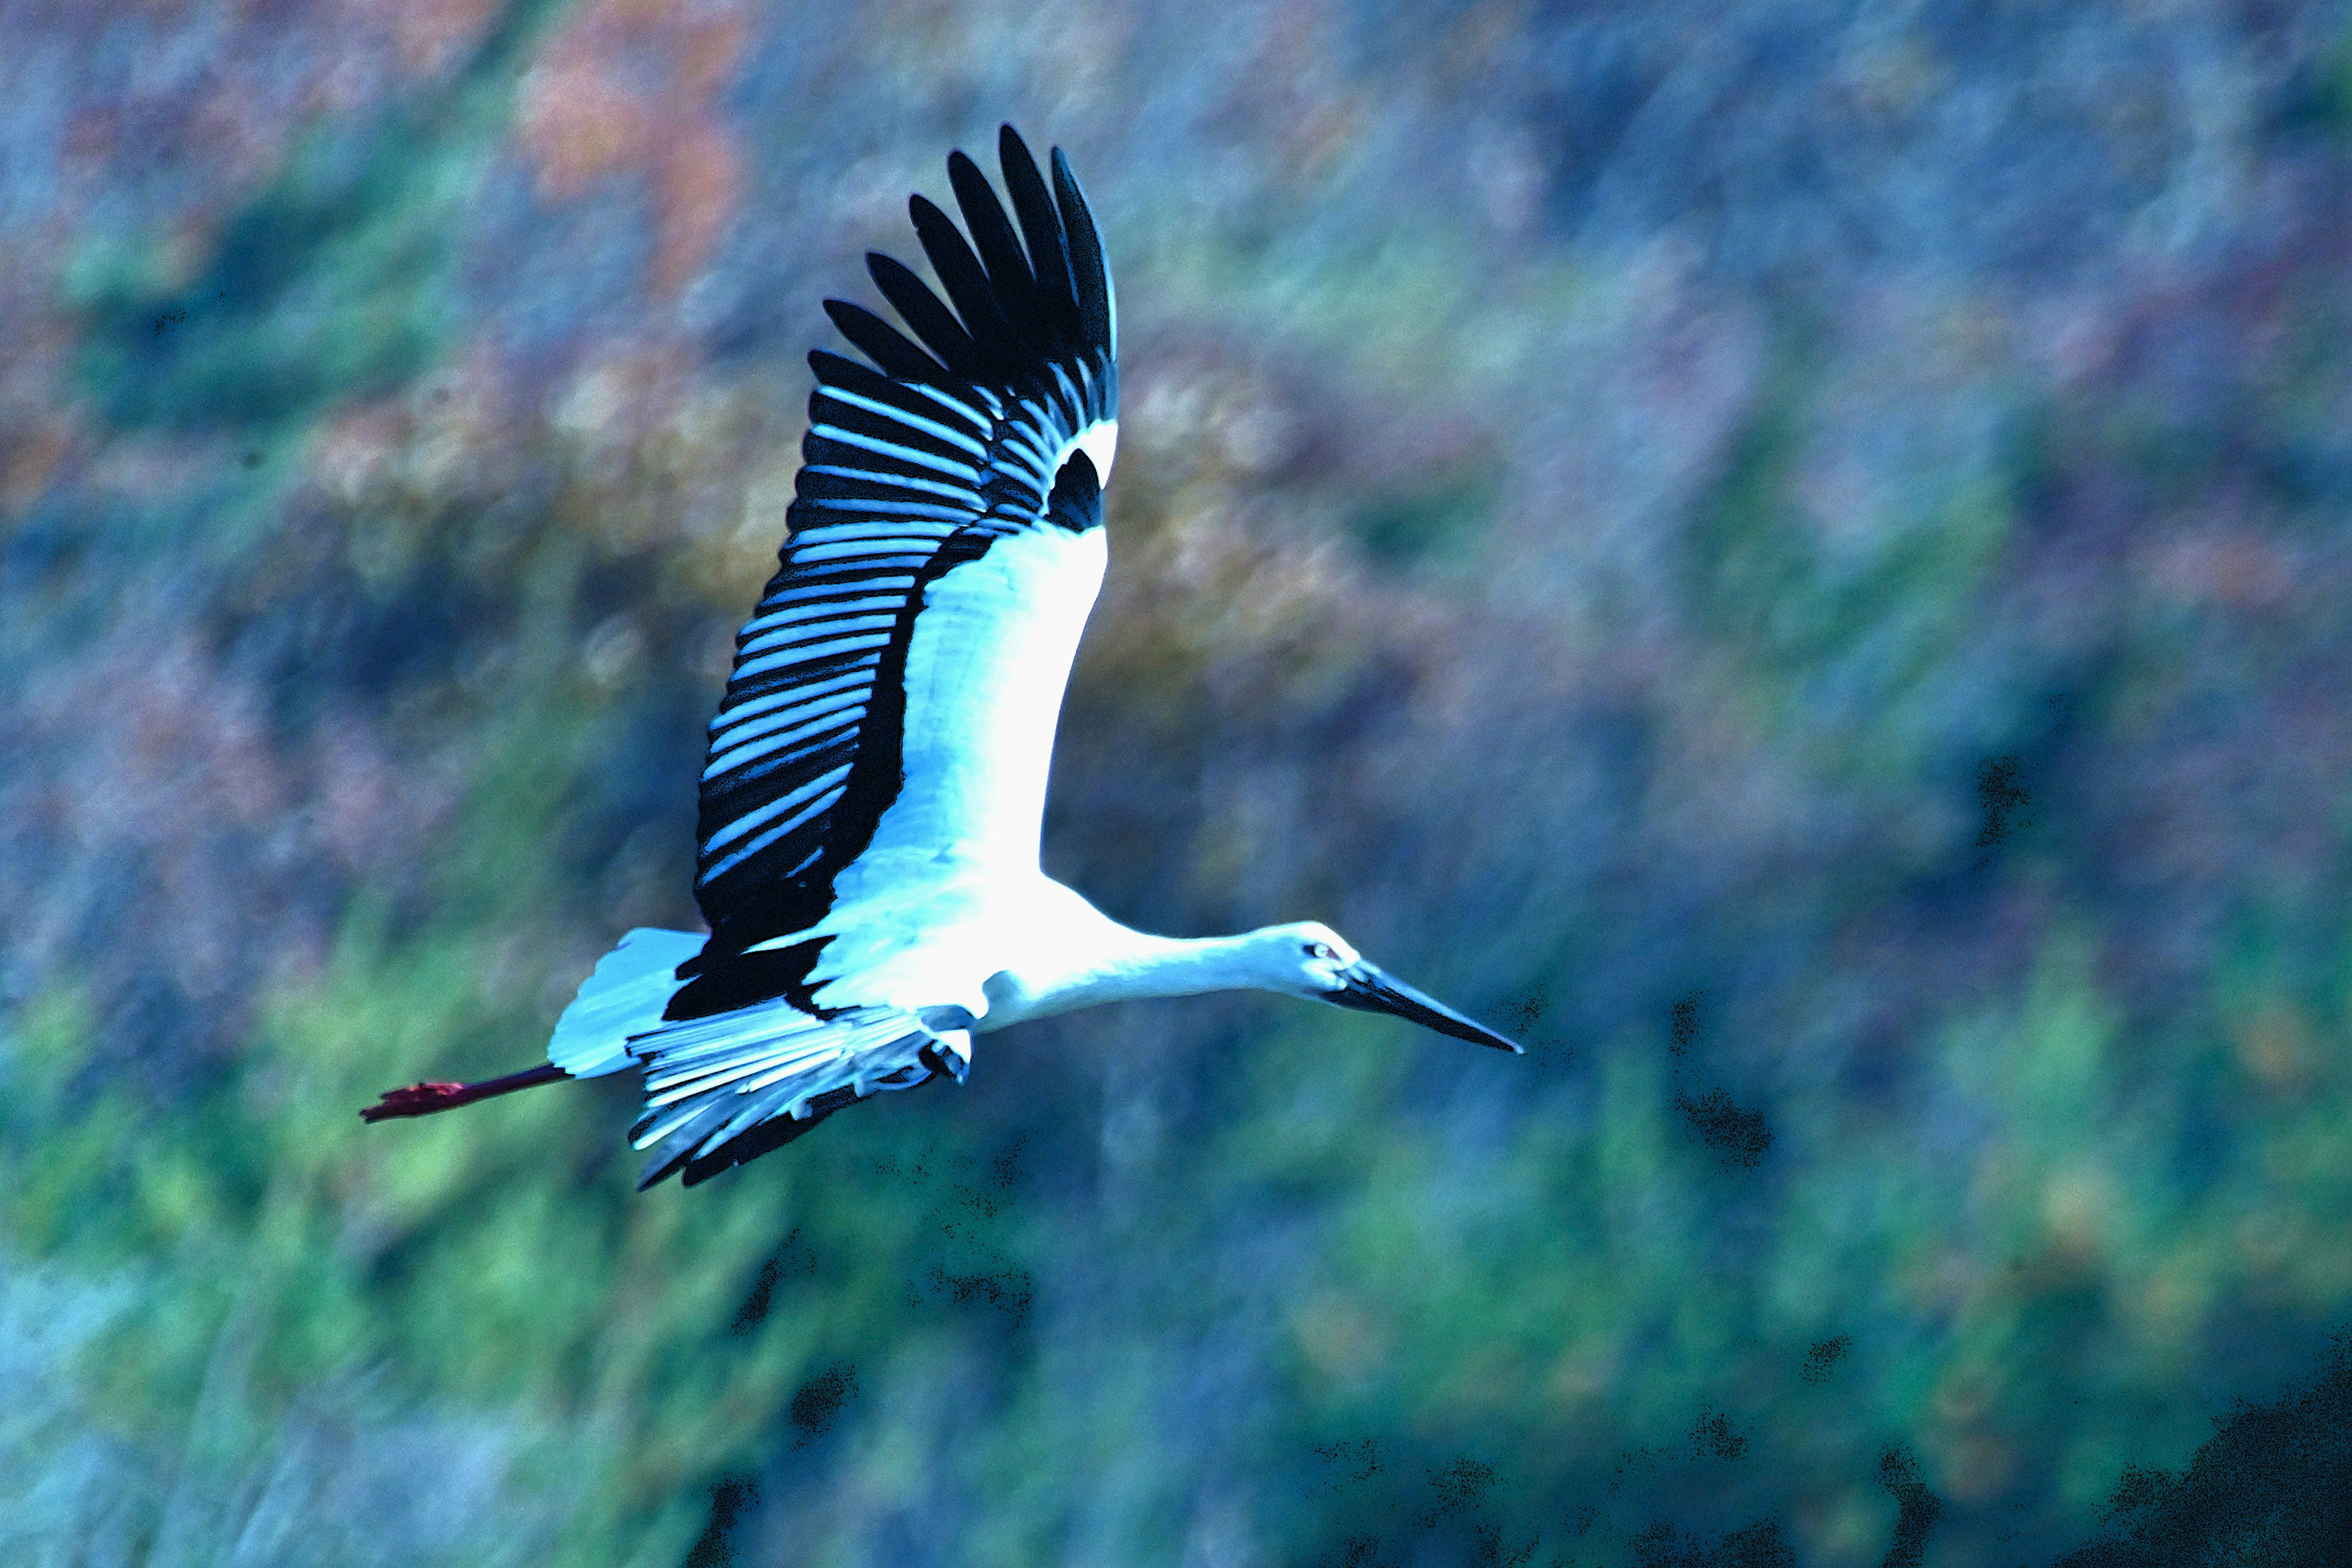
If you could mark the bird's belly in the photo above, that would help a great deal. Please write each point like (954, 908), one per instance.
(938, 942)
(1056, 953)
(1004, 948)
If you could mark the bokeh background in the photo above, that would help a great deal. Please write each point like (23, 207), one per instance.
(1792, 552)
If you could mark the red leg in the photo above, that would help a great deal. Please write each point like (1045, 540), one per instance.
(425, 1098)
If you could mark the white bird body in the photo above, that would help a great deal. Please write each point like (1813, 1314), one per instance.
(1008, 950)
(876, 785)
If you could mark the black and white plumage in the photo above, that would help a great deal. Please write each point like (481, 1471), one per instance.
(876, 780)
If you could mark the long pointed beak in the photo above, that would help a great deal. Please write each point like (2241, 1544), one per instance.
(1370, 989)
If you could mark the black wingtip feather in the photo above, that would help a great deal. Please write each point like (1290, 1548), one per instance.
(837, 370)
(966, 281)
(993, 235)
(925, 314)
(1041, 228)
(1086, 269)
(883, 344)
(1061, 285)
(1012, 293)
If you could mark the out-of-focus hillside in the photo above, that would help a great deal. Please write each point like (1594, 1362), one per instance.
(1794, 553)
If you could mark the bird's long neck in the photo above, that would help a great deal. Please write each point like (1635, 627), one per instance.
(1174, 966)
(1121, 965)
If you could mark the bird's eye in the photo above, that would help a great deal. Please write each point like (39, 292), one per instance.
(1319, 950)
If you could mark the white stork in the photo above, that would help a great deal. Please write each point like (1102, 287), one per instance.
(870, 811)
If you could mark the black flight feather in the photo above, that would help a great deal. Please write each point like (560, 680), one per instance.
(1041, 226)
(966, 281)
(883, 344)
(1093, 280)
(932, 322)
(848, 375)
(992, 236)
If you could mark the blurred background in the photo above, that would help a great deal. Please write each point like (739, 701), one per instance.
(1793, 554)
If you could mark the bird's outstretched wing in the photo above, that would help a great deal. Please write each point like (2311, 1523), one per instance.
(890, 716)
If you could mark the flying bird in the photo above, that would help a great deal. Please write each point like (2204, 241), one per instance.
(876, 783)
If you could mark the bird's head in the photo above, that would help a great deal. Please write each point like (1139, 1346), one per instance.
(1309, 959)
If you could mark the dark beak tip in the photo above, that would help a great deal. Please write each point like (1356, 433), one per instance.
(1372, 990)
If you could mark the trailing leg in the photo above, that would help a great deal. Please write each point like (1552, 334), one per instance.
(425, 1098)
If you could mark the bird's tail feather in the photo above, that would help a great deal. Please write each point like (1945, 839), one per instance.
(723, 1088)
(624, 997)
